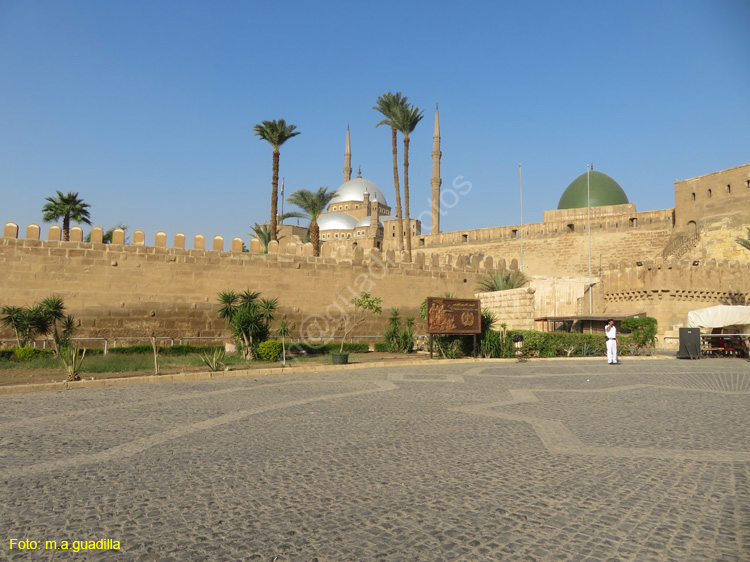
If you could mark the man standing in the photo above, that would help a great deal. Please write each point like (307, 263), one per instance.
(611, 333)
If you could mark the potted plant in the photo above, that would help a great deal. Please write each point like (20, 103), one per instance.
(365, 305)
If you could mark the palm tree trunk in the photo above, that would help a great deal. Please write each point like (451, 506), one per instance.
(400, 225)
(274, 194)
(315, 238)
(406, 198)
(66, 228)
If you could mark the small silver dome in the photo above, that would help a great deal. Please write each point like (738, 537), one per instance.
(336, 221)
(366, 222)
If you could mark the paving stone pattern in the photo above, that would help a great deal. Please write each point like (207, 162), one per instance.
(537, 461)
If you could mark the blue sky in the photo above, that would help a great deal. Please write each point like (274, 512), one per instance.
(147, 108)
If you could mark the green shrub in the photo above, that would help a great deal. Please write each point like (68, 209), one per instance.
(174, 350)
(326, 348)
(397, 339)
(29, 353)
(132, 349)
(643, 330)
(381, 346)
(561, 344)
(7, 354)
(270, 350)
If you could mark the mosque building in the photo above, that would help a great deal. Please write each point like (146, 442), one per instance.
(359, 215)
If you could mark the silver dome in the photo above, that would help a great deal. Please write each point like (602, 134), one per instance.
(354, 190)
(366, 222)
(336, 221)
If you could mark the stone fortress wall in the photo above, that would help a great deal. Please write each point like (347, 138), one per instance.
(664, 262)
(118, 290)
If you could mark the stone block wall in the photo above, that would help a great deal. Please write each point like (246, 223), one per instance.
(722, 195)
(122, 290)
(514, 307)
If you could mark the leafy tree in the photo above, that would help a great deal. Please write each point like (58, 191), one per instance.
(275, 133)
(743, 242)
(502, 281)
(312, 205)
(643, 330)
(283, 331)
(405, 119)
(67, 207)
(387, 105)
(368, 306)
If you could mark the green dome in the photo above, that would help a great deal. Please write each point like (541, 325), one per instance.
(603, 191)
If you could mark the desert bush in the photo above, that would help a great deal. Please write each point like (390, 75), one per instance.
(215, 360)
(270, 350)
(29, 353)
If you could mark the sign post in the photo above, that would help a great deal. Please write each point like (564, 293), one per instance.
(454, 317)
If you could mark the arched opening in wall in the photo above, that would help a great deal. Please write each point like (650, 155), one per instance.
(354, 244)
(709, 194)
(515, 233)
(571, 227)
(377, 244)
(633, 222)
(692, 227)
(693, 196)
(747, 184)
(729, 188)
(421, 241)
(464, 238)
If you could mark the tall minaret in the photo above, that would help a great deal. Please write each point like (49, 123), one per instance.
(436, 181)
(348, 157)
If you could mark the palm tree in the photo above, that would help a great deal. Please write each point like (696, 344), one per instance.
(16, 317)
(267, 308)
(275, 133)
(387, 104)
(263, 233)
(312, 205)
(284, 331)
(67, 207)
(405, 119)
(501, 281)
(744, 243)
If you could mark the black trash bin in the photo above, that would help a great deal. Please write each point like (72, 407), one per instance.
(690, 343)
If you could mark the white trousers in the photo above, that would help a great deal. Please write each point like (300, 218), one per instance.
(612, 350)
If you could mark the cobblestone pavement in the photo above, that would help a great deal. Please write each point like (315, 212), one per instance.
(537, 461)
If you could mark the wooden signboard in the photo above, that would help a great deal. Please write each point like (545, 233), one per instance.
(453, 316)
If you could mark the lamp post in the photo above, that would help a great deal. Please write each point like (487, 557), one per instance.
(520, 184)
(588, 212)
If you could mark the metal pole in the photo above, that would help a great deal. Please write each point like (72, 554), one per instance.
(520, 184)
(588, 209)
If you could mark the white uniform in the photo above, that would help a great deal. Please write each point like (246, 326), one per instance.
(611, 333)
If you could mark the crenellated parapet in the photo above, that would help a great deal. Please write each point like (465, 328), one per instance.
(619, 218)
(675, 284)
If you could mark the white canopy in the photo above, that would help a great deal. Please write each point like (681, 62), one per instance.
(719, 317)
